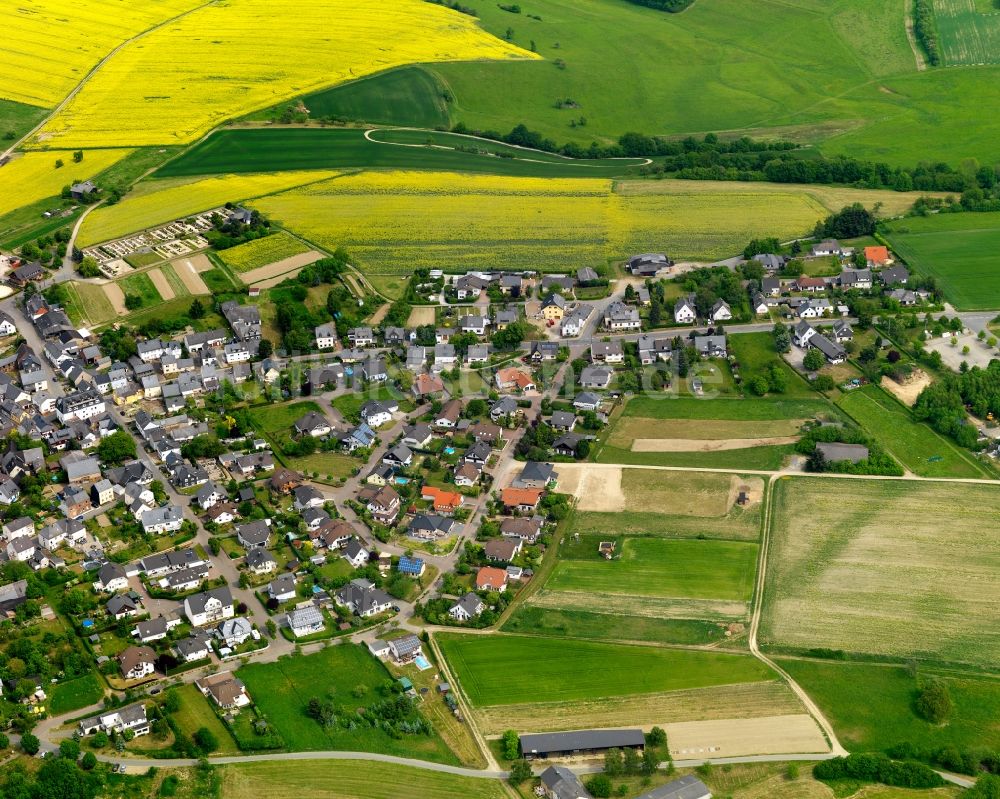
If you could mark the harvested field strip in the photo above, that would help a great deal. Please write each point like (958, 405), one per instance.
(694, 494)
(629, 428)
(596, 488)
(162, 285)
(747, 700)
(661, 567)
(649, 607)
(116, 297)
(188, 270)
(90, 302)
(735, 737)
(283, 268)
(893, 568)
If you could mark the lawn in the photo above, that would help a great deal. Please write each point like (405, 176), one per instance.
(140, 285)
(892, 568)
(756, 353)
(350, 779)
(550, 669)
(407, 96)
(733, 409)
(280, 418)
(272, 149)
(326, 464)
(739, 523)
(871, 705)
(569, 623)
(957, 250)
(915, 445)
(262, 252)
(765, 458)
(350, 677)
(71, 695)
(659, 567)
(195, 713)
(350, 404)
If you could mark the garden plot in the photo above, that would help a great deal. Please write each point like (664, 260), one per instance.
(895, 568)
(116, 297)
(160, 282)
(187, 270)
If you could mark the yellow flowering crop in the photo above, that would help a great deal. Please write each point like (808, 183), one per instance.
(393, 222)
(33, 176)
(237, 56)
(155, 202)
(49, 46)
(262, 252)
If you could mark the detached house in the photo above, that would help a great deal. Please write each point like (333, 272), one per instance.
(209, 607)
(684, 311)
(137, 662)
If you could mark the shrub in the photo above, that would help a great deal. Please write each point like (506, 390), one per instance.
(88, 761)
(934, 702)
(30, 743)
(600, 786)
(878, 768)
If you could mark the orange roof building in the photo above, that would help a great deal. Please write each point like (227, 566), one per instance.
(489, 578)
(444, 501)
(513, 378)
(877, 256)
(521, 498)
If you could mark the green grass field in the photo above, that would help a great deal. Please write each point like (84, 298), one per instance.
(18, 118)
(871, 705)
(275, 149)
(141, 286)
(280, 418)
(407, 96)
(660, 567)
(755, 353)
(571, 623)
(75, 694)
(957, 250)
(734, 409)
(350, 779)
(894, 568)
(195, 713)
(88, 302)
(262, 252)
(326, 464)
(915, 445)
(552, 670)
(766, 458)
(282, 690)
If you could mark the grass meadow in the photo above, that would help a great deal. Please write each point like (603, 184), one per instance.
(957, 250)
(888, 568)
(71, 695)
(88, 301)
(572, 623)
(140, 285)
(195, 713)
(919, 448)
(967, 35)
(350, 779)
(406, 96)
(280, 418)
(871, 705)
(347, 675)
(658, 567)
(550, 669)
(756, 353)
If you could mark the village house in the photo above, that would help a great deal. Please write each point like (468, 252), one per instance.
(209, 606)
(489, 578)
(685, 312)
(136, 662)
(467, 607)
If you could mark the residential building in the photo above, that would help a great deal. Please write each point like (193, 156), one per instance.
(209, 606)
(136, 662)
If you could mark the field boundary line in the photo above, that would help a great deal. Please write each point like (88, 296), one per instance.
(758, 602)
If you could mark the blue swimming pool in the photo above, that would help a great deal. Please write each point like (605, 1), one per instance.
(402, 481)
(449, 450)
(422, 663)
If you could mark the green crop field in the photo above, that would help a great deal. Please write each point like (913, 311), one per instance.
(273, 149)
(18, 118)
(966, 34)
(350, 779)
(551, 670)
(958, 251)
(262, 252)
(896, 568)
(570, 623)
(915, 445)
(871, 705)
(660, 567)
(407, 96)
(350, 677)
(732, 409)
(75, 694)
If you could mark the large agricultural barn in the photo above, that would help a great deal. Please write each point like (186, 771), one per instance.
(579, 742)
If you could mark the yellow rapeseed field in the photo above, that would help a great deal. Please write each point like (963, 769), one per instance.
(157, 201)
(238, 56)
(49, 46)
(33, 176)
(392, 222)
(262, 252)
